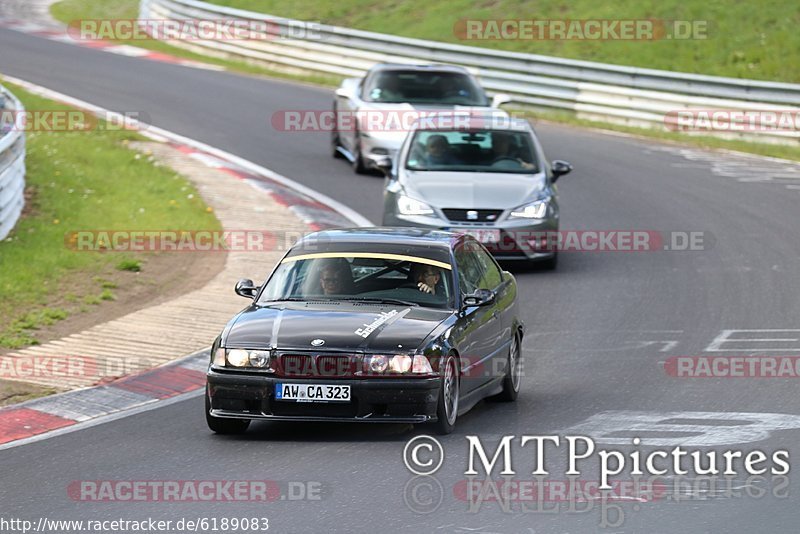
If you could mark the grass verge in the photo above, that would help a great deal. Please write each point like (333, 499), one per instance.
(83, 181)
(742, 39)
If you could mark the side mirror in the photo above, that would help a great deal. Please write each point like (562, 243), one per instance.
(499, 99)
(245, 288)
(384, 164)
(344, 93)
(481, 297)
(560, 168)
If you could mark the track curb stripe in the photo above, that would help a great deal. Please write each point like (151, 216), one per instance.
(51, 416)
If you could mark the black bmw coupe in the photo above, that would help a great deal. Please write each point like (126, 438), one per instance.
(376, 325)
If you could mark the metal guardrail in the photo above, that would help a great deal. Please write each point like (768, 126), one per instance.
(12, 164)
(634, 96)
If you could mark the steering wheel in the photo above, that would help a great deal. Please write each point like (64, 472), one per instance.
(505, 161)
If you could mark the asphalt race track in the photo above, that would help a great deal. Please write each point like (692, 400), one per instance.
(599, 329)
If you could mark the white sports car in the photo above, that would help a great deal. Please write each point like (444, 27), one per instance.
(374, 113)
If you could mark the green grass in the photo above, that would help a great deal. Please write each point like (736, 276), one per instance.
(131, 265)
(68, 11)
(82, 181)
(744, 39)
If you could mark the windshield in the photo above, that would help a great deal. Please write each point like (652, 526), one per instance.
(348, 278)
(472, 151)
(422, 87)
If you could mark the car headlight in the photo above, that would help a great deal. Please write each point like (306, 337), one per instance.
(238, 357)
(409, 206)
(379, 364)
(534, 210)
(259, 359)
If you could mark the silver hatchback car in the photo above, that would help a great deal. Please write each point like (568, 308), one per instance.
(485, 175)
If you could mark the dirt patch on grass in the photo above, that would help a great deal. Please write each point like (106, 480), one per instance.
(163, 276)
(14, 392)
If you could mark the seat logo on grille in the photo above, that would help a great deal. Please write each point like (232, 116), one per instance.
(472, 215)
(317, 342)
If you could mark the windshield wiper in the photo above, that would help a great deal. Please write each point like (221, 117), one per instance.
(286, 299)
(380, 300)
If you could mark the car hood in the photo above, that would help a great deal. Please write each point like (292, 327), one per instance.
(342, 326)
(471, 190)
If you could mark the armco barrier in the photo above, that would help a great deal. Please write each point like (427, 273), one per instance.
(636, 96)
(12, 164)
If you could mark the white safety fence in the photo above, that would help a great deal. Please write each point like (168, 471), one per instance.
(634, 96)
(12, 162)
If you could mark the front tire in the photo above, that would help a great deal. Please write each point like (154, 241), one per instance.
(447, 409)
(335, 142)
(358, 160)
(513, 376)
(220, 425)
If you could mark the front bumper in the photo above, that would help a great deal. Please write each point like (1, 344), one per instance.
(519, 239)
(389, 400)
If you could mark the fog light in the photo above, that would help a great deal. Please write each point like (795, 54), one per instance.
(400, 363)
(238, 357)
(259, 358)
(377, 363)
(421, 365)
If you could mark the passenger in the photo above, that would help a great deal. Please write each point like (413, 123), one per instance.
(426, 277)
(438, 151)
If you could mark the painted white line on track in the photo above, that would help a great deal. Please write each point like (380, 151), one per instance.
(146, 407)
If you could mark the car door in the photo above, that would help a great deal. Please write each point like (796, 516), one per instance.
(478, 327)
(347, 104)
(502, 308)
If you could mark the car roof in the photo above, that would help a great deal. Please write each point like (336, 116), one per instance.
(423, 243)
(440, 67)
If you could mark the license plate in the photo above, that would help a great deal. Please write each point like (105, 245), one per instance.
(312, 393)
(484, 235)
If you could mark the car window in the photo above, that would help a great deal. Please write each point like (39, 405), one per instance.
(499, 151)
(469, 270)
(424, 87)
(491, 277)
(344, 278)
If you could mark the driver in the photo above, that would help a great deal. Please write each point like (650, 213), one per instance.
(334, 278)
(504, 147)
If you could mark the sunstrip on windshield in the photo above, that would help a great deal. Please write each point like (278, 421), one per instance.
(377, 256)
